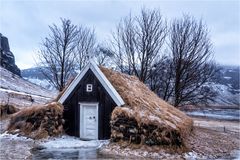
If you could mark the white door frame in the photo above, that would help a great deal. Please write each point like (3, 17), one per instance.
(81, 118)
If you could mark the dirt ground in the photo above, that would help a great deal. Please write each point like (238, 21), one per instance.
(218, 125)
(213, 144)
(209, 140)
(215, 138)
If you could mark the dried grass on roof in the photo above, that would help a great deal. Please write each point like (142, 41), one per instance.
(38, 122)
(60, 94)
(144, 108)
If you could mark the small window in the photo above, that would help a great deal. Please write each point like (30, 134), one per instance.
(89, 88)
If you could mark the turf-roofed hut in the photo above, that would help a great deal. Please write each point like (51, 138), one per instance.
(101, 103)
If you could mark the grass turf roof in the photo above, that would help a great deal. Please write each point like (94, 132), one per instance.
(145, 106)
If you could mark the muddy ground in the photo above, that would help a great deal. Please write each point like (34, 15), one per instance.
(210, 139)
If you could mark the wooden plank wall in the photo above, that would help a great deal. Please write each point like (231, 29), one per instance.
(99, 95)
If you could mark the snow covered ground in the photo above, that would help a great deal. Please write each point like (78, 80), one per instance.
(41, 82)
(20, 92)
(68, 147)
(225, 96)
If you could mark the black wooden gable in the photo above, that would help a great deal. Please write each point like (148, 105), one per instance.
(98, 95)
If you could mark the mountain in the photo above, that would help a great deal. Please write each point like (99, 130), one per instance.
(226, 84)
(36, 76)
(34, 72)
(19, 92)
(229, 76)
(6, 56)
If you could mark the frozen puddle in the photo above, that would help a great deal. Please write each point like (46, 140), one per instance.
(63, 154)
(65, 142)
(67, 147)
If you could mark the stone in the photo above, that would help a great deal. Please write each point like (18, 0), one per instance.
(7, 58)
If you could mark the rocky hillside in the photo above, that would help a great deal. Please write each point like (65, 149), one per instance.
(6, 56)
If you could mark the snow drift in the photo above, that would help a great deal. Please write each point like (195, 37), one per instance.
(145, 118)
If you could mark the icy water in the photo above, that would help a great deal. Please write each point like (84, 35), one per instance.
(225, 114)
(63, 154)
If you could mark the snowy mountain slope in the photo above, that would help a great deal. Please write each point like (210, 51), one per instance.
(227, 85)
(18, 91)
(35, 76)
(41, 82)
(225, 95)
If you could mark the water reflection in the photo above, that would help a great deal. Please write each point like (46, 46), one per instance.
(227, 114)
(63, 154)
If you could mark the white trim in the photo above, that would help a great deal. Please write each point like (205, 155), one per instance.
(81, 119)
(100, 76)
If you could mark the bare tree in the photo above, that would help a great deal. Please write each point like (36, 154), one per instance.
(161, 78)
(103, 56)
(86, 40)
(192, 63)
(56, 53)
(137, 42)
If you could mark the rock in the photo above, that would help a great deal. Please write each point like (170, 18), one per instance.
(6, 56)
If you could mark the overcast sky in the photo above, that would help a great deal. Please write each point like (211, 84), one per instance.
(25, 23)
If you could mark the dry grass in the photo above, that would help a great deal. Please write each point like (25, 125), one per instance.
(38, 122)
(147, 109)
(6, 109)
(65, 88)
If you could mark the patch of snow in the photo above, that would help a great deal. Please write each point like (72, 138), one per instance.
(6, 135)
(154, 118)
(41, 82)
(13, 82)
(236, 154)
(191, 156)
(22, 93)
(227, 78)
(65, 142)
(19, 92)
(224, 97)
